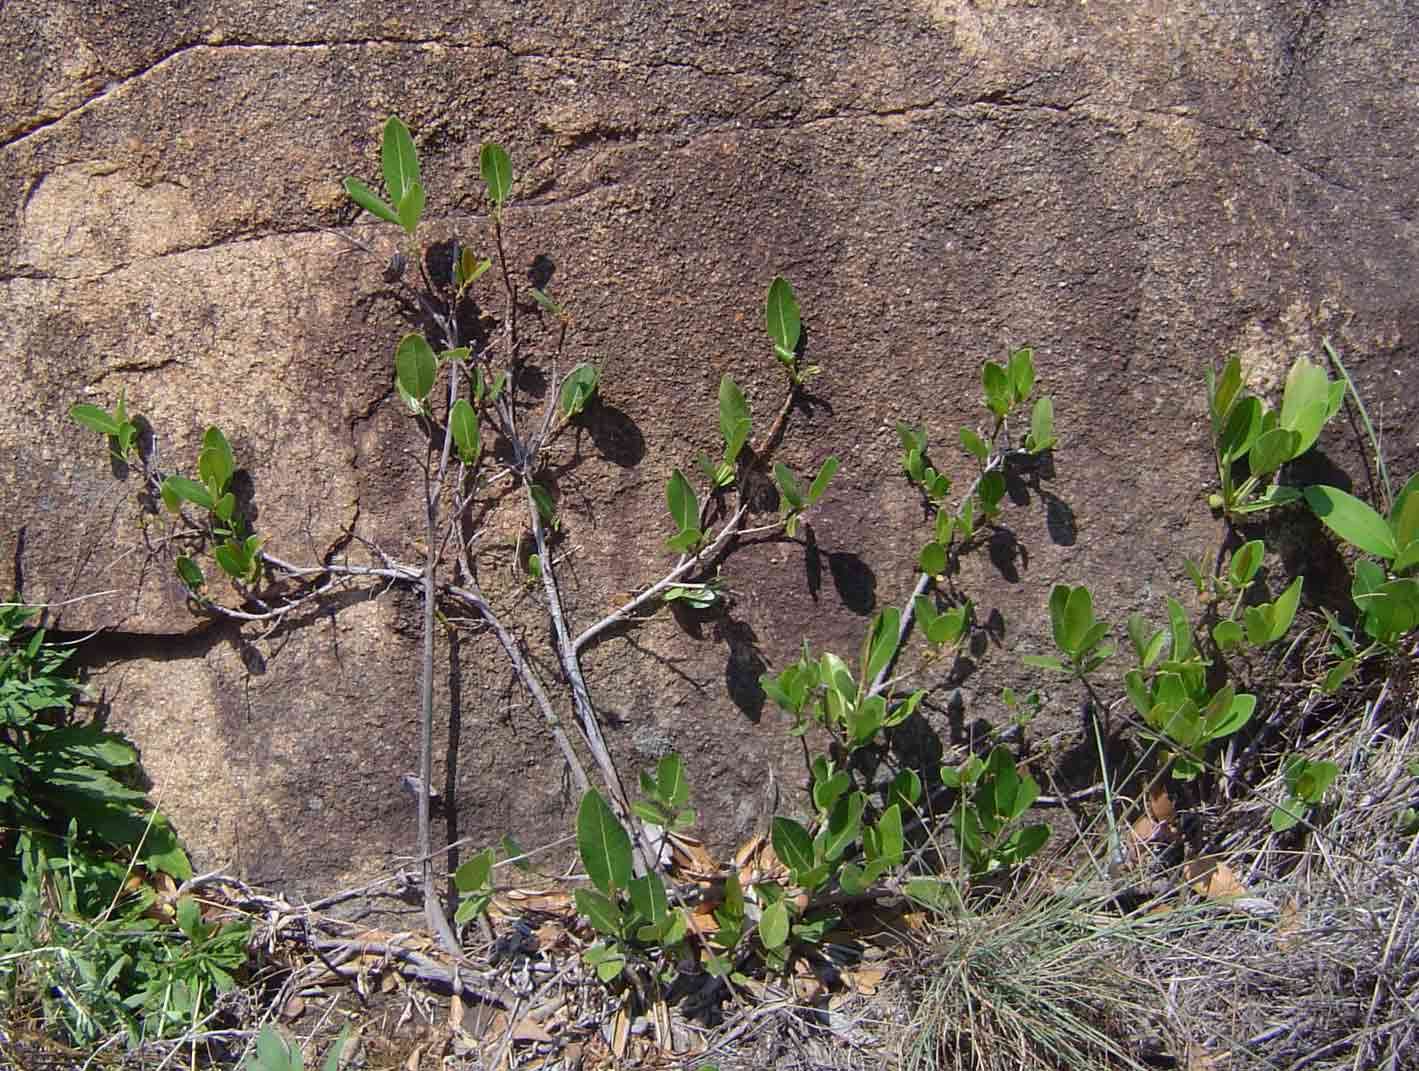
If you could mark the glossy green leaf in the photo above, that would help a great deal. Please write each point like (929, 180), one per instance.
(881, 644)
(998, 393)
(190, 573)
(578, 389)
(1022, 373)
(1273, 449)
(546, 508)
(399, 159)
(1245, 562)
(890, 840)
(990, 490)
(1228, 635)
(370, 201)
(411, 208)
(1223, 391)
(94, 418)
(495, 166)
(684, 505)
(905, 790)
(181, 489)
(933, 559)
(773, 925)
(463, 422)
(600, 910)
(843, 827)
(790, 491)
(415, 366)
(1041, 436)
(935, 894)
(671, 785)
(820, 482)
(1241, 430)
(974, 445)
(1078, 621)
(734, 421)
(781, 315)
(1309, 401)
(603, 843)
(215, 463)
(1352, 520)
(792, 844)
(476, 874)
(647, 895)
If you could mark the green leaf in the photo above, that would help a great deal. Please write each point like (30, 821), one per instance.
(1285, 816)
(990, 490)
(781, 315)
(273, 1054)
(773, 925)
(604, 846)
(684, 505)
(476, 874)
(1044, 662)
(94, 418)
(648, 897)
(821, 481)
(843, 827)
(495, 166)
(233, 560)
(215, 463)
(1078, 621)
(671, 786)
(905, 789)
(545, 300)
(933, 559)
(1245, 563)
(401, 162)
(546, 508)
(789, 488)
(913, 439)
(1022, 373)
(415, 366)
(1273, 449)
(881, 645)
(734, 422)
(1308, 402)
(1239, 433)
(367, 199)
(686, 541)
(1228, 635)
(935, 894)
(891, 845)
(998, 392)
(578, 389)
(1352, 520)
(974, 445)
(1041, 436)
(181, 489)
(1284, 610)
(463, 422)
(190, 573)
(792, 844)
(411, 208)
(601, 911)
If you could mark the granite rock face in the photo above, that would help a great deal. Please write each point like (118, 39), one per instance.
(1136, 189)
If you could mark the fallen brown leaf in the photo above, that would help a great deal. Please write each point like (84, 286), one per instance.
(1213, 879)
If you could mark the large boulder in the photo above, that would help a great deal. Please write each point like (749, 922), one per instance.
(1135, 190)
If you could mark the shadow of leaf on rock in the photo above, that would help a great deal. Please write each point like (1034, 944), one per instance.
(615, 435)
(855, 581)
(743, 668)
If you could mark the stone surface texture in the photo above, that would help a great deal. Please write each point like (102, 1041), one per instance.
(1136, 188)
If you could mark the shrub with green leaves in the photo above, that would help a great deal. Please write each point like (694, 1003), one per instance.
(60, 769)
(1252, 442)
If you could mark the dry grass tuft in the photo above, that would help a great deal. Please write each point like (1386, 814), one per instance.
(1334, 983)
